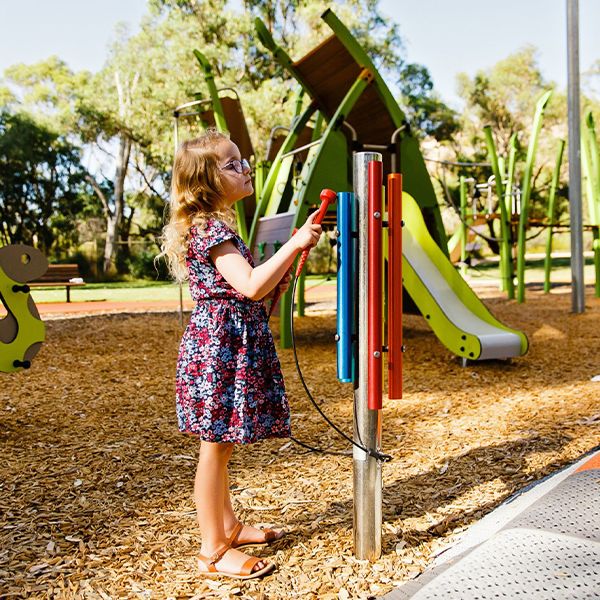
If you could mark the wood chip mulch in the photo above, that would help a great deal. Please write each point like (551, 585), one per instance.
(96, 481)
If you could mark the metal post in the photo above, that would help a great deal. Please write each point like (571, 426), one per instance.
(176, 143)
(577, 284)
(463, 225)
(367, 423)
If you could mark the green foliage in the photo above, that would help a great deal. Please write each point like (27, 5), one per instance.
(42, 187)
(122, 115)
(50, 92)
(504, 97)
(424, 109)
(142, 265)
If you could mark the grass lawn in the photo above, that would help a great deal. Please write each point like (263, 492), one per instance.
(126, 291)
(488, 270)
(129, 291)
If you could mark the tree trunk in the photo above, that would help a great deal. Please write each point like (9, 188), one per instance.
(113, 219)
(125, 231)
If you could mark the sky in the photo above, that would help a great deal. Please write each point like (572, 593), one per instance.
(447, 37)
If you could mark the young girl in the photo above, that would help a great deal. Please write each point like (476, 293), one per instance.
(230, 389)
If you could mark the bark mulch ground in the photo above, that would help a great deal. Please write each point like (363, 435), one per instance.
(96, 482)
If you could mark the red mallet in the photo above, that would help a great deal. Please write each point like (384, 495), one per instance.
(327, 196)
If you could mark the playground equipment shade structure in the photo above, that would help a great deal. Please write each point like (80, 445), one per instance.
(223, 111)
(360, 113)
(349, 92)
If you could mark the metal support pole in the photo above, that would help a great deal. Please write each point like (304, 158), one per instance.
(577, 281)
(367, 423)
(176, 142)
(463, 225)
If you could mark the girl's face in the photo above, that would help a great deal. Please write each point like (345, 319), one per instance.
(236, 185)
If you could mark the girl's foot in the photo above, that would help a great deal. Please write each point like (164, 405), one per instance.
(228, 562)
(246, 535)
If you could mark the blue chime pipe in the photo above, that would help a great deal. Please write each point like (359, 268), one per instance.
(346, 255)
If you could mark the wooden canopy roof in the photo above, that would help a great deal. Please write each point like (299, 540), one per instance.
(328, 72)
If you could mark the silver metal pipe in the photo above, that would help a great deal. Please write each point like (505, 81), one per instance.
(305, 147)
(397, 133)
(394, 158)
(367, 423)
(375, 146)
(176, 141)
(176, 112)
(352, 130)
(272, 137)
(577, 281)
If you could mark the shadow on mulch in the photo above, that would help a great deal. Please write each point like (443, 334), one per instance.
(415, 496)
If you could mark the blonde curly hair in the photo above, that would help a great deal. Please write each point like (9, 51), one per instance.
(196, 195)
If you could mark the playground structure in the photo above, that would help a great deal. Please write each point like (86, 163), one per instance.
(354, 111)
(502, 200)
(21, 329)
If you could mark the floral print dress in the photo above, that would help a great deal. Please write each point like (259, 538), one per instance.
(229, 385)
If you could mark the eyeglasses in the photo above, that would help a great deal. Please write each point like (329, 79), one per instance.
(239, 166)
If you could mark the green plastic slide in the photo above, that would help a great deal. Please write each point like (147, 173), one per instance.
(455, 313)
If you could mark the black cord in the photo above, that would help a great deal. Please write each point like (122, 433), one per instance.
(374, 453)
(313, 449)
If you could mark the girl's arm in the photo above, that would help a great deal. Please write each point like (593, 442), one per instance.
(256, 283)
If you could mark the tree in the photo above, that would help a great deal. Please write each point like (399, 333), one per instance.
(41, 185)
(297, 26)
(504, 97)
(425, 110)
(123, 114)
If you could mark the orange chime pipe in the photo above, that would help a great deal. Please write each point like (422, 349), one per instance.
(394, 195)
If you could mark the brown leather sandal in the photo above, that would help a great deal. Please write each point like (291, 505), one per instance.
(206, 566)
(270, 536)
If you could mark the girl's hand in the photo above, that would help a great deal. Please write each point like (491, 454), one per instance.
(308, 235)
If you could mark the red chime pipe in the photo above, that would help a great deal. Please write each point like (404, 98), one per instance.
(374, 291)
(394, 194)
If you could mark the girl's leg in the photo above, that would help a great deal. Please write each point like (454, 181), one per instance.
(209, 495)
(248, 534)
(229, 518)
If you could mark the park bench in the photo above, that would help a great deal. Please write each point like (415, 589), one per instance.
(59, 275)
